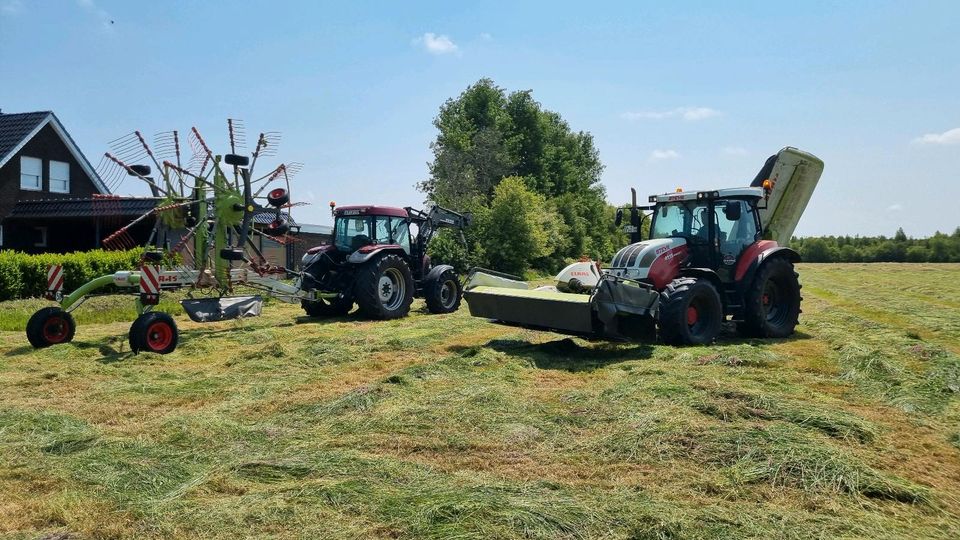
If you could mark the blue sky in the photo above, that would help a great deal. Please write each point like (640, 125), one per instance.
(692, 94)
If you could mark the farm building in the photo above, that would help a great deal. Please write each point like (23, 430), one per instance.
(53, 201)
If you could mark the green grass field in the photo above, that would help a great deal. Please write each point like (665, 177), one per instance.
(451, 427)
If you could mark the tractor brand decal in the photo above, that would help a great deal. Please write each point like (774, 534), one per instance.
(729, 259)
(350, 212)
(675, 198)
(579, 273)
(54, 281)
(662, 249)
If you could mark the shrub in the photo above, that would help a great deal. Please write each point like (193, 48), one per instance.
(24, 276)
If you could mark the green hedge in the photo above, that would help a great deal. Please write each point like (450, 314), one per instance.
(25, 276)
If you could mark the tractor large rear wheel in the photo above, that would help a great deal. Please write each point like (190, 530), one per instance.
(690, 312)
(384, 288)
(772, 303)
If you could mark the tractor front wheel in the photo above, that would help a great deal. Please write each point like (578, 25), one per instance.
(49, 326)
(772, 303)
(443, 294)
(154, 332)
(322, 307)
(384, 288)
(690, 312)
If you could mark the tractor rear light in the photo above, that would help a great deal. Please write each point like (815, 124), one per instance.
(652, 198)
(768, 184)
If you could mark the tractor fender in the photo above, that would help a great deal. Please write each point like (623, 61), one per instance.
(366, 253)
(704, 273)
(768, 252)
(436, 271)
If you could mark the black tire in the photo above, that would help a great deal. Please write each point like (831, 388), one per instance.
(443, 294)
(278, 197)
(328, 308)
(690, 312)
(384, 288)
(236, 160)
(154, 332)
(50, 326)
(772, 303)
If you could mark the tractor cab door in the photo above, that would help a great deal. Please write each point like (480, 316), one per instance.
(737, 228)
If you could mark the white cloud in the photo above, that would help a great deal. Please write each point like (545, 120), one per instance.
(734, 151)
(437, 44)
(951, 136)
(690, 114)
(11, 7)
(661, 155)
(895, 207)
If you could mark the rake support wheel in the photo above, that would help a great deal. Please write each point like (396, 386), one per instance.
(154, 332)
(49, 326)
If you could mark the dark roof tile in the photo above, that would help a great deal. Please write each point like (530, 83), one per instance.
(15, 127)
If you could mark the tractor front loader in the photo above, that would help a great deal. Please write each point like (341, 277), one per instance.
(711, 256)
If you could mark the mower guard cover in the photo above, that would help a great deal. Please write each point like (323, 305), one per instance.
(223, 308)
(596, 313)
(795, 175)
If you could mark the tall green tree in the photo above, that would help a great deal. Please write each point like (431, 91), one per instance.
(486, 134)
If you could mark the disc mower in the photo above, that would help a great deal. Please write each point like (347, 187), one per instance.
(711, 256)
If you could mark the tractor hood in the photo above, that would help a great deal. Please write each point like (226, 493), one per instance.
(655, 261)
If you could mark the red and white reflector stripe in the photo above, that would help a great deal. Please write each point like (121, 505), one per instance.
(54, 280)
(149, 284)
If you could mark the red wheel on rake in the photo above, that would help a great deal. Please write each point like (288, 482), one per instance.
(278, 227)
(50, 326)
(154, 332)
(278, 197)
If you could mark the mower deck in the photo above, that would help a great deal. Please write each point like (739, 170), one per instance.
(566, 312)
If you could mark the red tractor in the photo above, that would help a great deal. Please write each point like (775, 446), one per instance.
(711, 256)
(378, 260)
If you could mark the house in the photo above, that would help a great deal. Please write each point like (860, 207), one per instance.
(40, 161)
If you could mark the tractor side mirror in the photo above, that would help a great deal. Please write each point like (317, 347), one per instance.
(732, 210)
(619, 219)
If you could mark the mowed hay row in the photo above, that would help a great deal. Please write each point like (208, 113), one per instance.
(449, 426)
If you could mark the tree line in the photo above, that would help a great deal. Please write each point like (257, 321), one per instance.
(940, 247)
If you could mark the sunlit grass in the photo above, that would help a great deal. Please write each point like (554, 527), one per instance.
(449, 426)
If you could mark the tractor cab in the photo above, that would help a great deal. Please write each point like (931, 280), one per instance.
(717, 226)
(357, 227)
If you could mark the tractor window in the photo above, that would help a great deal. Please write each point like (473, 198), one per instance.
(735, 234)
(687, 220)
(352, 233)
(401, 233)
(382, 230)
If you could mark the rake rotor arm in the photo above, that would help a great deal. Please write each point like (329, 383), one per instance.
(132, 172)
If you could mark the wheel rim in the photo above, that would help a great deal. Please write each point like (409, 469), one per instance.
(391, 289)
(159, 336)
(277, 193)
(55, 329)
(698, 319)
(448, 293)
(774, 303)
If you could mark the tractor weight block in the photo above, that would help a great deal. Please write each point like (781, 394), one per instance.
(223, 308)
(236, 159)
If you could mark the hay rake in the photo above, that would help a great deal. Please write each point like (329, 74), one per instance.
(201, 241)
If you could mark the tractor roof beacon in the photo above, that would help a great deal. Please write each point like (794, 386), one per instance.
(378, 260)
(711, 256)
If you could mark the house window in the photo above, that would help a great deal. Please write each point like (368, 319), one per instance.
(41, 237)
(31, 171)
(59, 177)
